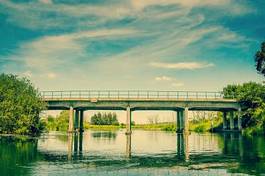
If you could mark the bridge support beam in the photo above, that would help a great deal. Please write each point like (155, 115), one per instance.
(128, 121)
(76, 120)
(239, 123)
(231, 118)
(71, 120)
(224, 120)
(81, 121)
(186, 120)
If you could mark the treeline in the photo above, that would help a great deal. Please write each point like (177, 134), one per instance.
(104, 119)
(251, 95)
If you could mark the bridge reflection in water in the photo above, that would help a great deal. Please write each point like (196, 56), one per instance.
(75, 145)
(186, 145)
(98, 151)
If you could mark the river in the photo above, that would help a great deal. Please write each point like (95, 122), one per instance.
(142, 153)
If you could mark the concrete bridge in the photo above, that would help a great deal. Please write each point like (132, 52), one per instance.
(180, 101)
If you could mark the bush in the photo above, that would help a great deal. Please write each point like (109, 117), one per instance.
(20, 105)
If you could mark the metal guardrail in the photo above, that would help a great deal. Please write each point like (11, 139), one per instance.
(130, 94)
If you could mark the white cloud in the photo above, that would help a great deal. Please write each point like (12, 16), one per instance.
(140, 4)
(170, 81)
(181, 65)
(53, 51)
(163, 78)
(34, 15)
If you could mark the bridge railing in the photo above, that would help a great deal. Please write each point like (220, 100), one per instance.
(130, 94)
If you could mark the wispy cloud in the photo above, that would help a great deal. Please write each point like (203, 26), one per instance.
(172, 82)
(181, 65)
(163, 78)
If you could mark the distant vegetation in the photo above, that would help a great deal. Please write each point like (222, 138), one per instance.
(104, 119)
(20, 106)
(252, 97)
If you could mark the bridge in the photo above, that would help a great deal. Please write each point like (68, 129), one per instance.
(78, 101)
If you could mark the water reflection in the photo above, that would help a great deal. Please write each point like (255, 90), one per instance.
(128, 145)
(142, 153)
(104, 134)
(16, 153)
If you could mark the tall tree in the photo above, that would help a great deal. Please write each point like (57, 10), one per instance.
(260, 59)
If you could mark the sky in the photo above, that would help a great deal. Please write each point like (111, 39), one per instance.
(131, 44)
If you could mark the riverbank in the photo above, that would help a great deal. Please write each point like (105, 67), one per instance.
(156, 127)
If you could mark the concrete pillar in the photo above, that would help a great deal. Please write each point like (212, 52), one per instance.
(81, 121)
(128, 120)
(182, 123)
(186, 120)
(77, 120)
(178, 122)
(71, 120)
(239, 119)
(231, 118)
(224, 120)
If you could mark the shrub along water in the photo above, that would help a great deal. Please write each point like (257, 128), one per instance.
(20, 105)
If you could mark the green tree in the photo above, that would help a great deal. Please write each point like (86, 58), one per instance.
(260, 59)
(20, 106)
(104, 119)
(251, 95)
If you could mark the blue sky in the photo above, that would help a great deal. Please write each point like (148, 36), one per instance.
(131, 44)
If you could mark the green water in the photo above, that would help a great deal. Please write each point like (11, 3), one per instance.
(142, 153)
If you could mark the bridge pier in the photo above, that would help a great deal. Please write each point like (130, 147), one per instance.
(77, 119)
(224, 120)
(71, 120)
(186, 120)
(128, 121)
(231, 118)
(180, 121)
(183, 121)
(81, 121)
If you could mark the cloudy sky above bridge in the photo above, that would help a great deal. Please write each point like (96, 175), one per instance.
(131, 44)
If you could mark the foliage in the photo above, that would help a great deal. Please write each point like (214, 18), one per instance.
(104, 119)
(260, 59)
(20, 105)
(204, 125)
(60, 123)
(252, 97)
